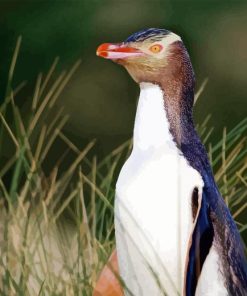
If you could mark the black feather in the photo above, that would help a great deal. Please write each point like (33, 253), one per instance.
(146, 34)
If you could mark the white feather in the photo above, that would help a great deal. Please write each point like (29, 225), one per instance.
(153, 215)
(211, 281)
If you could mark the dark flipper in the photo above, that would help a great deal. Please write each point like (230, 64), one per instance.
(202, 239)
(214, 224)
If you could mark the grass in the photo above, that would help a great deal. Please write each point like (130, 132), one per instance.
(56, 225)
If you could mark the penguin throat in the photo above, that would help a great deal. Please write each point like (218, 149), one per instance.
(152, 127)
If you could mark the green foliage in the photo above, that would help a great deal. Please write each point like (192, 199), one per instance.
(56, 225)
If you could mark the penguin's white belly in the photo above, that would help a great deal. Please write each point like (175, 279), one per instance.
(153, 221)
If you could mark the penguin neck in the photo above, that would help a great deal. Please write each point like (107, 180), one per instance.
(152, 127)
(164, 122)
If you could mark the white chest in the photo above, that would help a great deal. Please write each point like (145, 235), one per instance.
(153, 213)
(153, 219)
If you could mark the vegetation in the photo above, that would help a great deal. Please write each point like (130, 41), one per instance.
(56, 216)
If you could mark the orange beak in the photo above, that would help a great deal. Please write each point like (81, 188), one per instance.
(114, 51)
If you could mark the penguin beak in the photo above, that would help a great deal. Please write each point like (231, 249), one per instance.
(115, 51)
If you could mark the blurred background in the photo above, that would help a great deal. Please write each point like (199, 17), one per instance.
(101, 97)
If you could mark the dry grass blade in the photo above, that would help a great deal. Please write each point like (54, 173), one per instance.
(78, 160)
(69, 143)
(64, 205)
(54, 122)
(64, 83)
(9, 131)
(44, 103)
(98, 191)
(13, 62)
(12, 94)
(240, 210)
(53, 137)
(36, 93)
(232, 156)
(201, 89)
(48, 76)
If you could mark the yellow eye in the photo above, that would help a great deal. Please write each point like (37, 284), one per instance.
(156, 48)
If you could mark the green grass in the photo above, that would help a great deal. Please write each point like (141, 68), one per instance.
(56, 224)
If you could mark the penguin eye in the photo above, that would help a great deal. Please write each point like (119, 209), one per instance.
(156, 48)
